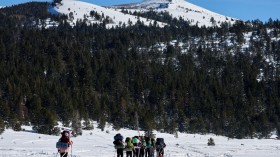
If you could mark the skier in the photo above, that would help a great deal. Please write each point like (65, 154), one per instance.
(64, 143)
(153, 144)
(136, 143)
(129, 147)
(160, 145)
(119, 144)
(142, 146)
(148, 147)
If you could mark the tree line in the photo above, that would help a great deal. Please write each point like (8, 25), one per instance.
(205, 81)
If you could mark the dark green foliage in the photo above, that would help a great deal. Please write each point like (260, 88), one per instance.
(27, 14)
(27, 10)
(45, 122)
(121, 76)
(76, 124)
(2, 126)
(278, 130)
(56, 131)
(16, 126)
(88, 125)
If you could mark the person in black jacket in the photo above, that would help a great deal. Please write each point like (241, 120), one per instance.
(119, 145)
(160, 145)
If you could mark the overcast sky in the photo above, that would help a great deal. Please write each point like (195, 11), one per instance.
(241, 9)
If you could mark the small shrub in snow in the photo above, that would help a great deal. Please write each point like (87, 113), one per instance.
(211, 142)
(16, 127)
(89, 127)
(107, 131)
(56, 131)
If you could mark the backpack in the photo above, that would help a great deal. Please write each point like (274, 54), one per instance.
(64, 141)
(135, 139)
(118, 137)
(118, 141)
(148, 142)
(61, 145)
(160, 143)
(118, 144)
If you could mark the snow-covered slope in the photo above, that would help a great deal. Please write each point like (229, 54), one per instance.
(95, 143)
(180, 8)
(195, 15)
(79, 10)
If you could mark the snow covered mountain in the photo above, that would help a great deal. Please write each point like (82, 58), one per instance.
(195, 15)
(78, 10)
(180, 8)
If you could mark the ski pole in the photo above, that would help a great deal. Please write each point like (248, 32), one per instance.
(64, 154)
(71, 150)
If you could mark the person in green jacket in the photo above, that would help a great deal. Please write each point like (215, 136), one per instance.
(129, 147)
(136, 142)
(153, 147)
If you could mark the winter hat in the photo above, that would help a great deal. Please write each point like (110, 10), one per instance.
(66, 133)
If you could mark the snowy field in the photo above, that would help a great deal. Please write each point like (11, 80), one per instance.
(96, 143)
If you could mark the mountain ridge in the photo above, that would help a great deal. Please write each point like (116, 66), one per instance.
(195, 15)
(79, 10)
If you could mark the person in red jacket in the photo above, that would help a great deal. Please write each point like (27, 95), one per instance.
(65, 138)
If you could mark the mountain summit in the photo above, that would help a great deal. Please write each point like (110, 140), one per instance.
(195, 15)
(113, 16)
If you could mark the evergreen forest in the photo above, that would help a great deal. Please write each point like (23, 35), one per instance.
(178, 78)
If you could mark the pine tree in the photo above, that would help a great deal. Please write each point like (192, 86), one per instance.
(76, 124)
(2, 126)
(110, 74)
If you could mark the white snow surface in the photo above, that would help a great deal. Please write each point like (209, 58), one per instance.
(97, 143)
(180, 8)
(195, 15)
(81, 9)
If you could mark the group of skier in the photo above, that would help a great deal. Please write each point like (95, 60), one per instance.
(139, 146)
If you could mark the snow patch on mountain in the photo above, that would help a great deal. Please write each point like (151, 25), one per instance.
(179, 8)
(78, 10)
